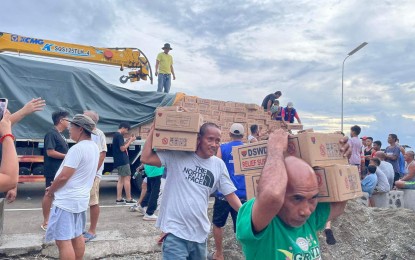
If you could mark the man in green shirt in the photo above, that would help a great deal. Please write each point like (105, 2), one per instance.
(164, 69)
(281, 223)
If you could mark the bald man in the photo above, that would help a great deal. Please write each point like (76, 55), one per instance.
(281, 223)
(386, 167)
(408, 181)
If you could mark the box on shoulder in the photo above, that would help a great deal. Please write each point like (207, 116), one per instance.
(178, 121)
(338, 183)
(317, 149)
(173, 140)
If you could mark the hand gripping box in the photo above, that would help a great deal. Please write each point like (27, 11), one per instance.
(178, 121)
(317, 149)
(338, 183)
(176, 141)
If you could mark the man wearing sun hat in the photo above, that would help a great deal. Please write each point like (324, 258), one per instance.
(71, 188)
(164, 69)
(221, 208)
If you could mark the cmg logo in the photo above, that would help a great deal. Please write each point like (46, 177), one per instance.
(31, 40)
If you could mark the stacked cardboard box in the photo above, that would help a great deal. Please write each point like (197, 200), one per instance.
(337, 180)
(176, 130)
(224, 114)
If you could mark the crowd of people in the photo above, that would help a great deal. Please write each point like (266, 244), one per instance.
(382, 169)
(279, 222)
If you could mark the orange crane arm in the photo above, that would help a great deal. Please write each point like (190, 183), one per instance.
(131, 58)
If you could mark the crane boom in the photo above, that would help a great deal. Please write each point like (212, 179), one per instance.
(131, 58)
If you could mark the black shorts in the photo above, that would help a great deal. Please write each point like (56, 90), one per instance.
(221, 210)
(49, 180)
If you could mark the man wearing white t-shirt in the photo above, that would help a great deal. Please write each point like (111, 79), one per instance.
(191, 178)
(99, 139)
(71, 188)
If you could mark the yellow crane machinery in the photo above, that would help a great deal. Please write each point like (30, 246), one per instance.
(131, 58)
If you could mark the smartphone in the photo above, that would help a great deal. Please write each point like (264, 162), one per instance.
(3, 107)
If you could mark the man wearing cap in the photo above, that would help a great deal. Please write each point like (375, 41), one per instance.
(269, 100)
(289, 113)
(221, 208)
(71, 188)
(191, 178)
(164, 69)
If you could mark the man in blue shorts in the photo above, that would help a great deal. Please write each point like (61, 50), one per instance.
(221, 207)
(70, 190)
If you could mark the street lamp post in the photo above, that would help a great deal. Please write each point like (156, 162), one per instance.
(348, 55)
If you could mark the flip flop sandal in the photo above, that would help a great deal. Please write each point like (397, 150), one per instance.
(88, 237)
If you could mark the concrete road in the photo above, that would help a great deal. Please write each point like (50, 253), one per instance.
(120, 234)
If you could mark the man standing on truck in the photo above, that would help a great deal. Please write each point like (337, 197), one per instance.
(55, 150)
(101, 142)
(164, 69)
(70, 190)
(122, 163)
(269, 100)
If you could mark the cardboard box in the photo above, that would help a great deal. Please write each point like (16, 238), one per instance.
(317, 149)
(338, 183)
(203, 107)
(294, 126)
(240, 105)
(250, 158)
(190, 99)
(177, 141)
(171, 108)
(251, 184)
(188, 105)
(252, 107)
(178, 121)
(240, 119)
(203, 101)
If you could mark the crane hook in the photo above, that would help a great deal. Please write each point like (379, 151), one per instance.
(124, 79)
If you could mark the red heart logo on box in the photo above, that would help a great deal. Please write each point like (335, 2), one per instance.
(243, 153)
(159, 114)
(157, 134)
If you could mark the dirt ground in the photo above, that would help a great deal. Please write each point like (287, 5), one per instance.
(361, 233)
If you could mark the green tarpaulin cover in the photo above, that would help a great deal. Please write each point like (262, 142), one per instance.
(75, 90)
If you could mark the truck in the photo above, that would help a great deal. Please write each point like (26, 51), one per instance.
(75, 90)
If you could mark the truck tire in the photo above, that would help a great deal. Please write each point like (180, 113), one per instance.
(38, 170)
(24, 171)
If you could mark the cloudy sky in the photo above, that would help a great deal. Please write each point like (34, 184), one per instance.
(243, 50)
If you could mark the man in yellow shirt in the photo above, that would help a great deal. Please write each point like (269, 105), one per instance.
(164, 69)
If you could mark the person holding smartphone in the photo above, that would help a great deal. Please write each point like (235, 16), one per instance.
(34, 105)
(9, 167)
